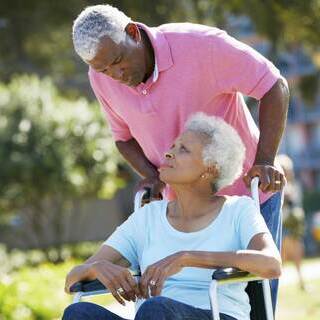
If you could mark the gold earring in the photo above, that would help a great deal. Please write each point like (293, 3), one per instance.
(203, 176)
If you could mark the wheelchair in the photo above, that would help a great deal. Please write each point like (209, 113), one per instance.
(258, 289)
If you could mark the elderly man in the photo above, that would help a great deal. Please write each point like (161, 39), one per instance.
(149, 80)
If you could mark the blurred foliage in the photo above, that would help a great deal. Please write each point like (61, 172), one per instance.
(53, 150)
(311, 201)
(28, 294)
(38, 293)
(36, 35)
(280, 21)
(309, 87)
(16, 259)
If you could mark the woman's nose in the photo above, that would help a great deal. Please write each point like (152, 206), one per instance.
(169, 155)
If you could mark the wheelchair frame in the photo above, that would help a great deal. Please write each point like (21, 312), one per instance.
(220, 276)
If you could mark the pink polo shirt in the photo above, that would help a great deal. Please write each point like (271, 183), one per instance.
(199, 68)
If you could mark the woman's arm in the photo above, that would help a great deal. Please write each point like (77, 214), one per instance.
(86, 271)
(261, 258)
(110, 267)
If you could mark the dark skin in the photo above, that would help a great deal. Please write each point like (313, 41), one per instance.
(132, 62)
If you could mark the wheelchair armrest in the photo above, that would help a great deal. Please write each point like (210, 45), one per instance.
(87, 286)
(233, 275)
(94, 285)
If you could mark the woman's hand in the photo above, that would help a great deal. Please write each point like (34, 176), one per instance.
(117, 279)
(78, 273)
(155, 275)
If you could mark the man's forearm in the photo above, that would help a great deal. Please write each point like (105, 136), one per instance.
(135, 156)
(272, 122)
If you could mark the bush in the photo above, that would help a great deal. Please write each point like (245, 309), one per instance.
(38, 293)
(53, 152)
(16, 260)
(34, 294)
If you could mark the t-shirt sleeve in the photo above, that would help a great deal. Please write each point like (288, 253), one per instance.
(237, 67)
(250, 221)
(119, 128)
(127, 238)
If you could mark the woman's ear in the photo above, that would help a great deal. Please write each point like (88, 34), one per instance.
(212, 170)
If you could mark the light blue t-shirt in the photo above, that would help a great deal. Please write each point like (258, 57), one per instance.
(147, 236)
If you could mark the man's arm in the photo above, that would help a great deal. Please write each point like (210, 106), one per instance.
(135, 156)
(272, 120)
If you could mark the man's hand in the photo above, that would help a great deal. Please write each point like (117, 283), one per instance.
(154, 276)
(156, 187)
(271, 179)
(272, 121)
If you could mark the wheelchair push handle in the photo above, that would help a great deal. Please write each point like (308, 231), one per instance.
(142, 197)
(255, 191)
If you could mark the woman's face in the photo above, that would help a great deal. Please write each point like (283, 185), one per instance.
(183, 163)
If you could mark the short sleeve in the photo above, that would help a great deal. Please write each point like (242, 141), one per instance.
(119, 128)
(127, 238)
(237, 67)
(250, 221)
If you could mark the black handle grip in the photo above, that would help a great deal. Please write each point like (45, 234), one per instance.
(87, 286)
(228, 273)
(94, 285)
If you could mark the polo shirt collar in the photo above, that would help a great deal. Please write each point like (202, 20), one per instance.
(162, 52)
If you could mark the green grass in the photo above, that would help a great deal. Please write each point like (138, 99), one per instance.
(37, 293)
(295, 304)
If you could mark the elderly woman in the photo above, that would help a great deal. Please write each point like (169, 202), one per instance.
(177, 244)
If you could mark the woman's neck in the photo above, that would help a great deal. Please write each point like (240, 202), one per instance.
(192, 203)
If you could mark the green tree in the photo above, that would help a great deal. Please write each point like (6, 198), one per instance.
(36, 35)
(281, 21)
(53, 152)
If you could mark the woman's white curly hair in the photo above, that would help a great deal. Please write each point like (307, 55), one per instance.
(223, 148)
(92, 24)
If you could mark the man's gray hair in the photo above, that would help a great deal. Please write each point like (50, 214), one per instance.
(92, 24)
(223, 147)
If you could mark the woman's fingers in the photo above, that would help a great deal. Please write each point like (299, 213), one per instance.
(114, 288)
(159, 286)
(144, 283)
(128, 291)
(154, 283)
(151, 282)
(117, 296)
(134, 285)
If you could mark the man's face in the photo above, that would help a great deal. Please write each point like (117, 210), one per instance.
(124, 61)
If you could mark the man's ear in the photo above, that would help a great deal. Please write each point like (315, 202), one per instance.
(133, 31)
